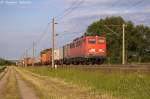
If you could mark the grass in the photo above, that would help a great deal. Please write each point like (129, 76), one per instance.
(2, 71)
(131, 86)
(2, 68)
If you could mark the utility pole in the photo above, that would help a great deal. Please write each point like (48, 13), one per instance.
(123, 45)
(53, 30)
(33, 54)
(26, 56)
(123, 40)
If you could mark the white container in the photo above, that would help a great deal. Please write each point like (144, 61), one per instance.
(58, 54)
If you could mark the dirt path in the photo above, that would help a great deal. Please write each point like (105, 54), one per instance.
(3, 80)
(9, 89)
(21, 84)
(13, 87)
(49, 88)
(25, 91)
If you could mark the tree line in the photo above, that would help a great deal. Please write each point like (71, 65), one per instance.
(137, 39)
(4, 62)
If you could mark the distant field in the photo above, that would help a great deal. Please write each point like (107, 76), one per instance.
(123, 85)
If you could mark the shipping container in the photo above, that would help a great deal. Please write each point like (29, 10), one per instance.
(58, 54)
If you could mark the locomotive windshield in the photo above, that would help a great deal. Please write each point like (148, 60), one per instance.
(101, 41)
(92, 41)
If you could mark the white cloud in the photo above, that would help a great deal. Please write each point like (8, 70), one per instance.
(99, 8)
(147, 9)
(91, 1)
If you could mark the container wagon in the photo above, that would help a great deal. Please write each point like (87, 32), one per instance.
(46, 56)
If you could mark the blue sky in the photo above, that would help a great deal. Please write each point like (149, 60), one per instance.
(22, 22)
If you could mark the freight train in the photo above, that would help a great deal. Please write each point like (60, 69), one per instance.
(82, 50)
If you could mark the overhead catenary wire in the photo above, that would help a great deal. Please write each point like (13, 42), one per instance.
(37, 41)
(111, 30)
(136, 4)
(117, 1)
(69, 10)
(70, 7)
(134, 7)
(131, 5)
(43, 34)
(75, 27)
(68, 33)
(73, 6)
(71, 36)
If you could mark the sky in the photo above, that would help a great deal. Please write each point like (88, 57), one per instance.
(25, 21)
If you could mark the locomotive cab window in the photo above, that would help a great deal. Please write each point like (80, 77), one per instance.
(101, 41)
(92, 41)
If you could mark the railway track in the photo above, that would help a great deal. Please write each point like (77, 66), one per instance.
(120, 66)
(111, 68)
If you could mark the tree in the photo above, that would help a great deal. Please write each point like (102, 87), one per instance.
(137, 39)
(4, 62)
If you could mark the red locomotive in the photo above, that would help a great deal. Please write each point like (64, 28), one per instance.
(85, 50)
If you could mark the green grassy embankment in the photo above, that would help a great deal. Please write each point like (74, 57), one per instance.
(132, 85)
(2, 68)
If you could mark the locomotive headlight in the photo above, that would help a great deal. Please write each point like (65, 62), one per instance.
(101, 50)
(92, 50)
